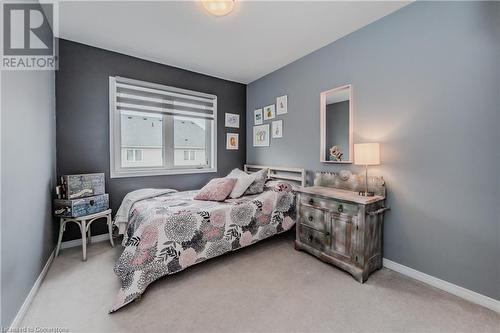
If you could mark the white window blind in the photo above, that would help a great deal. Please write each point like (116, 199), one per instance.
(162, 122)
(134, 95)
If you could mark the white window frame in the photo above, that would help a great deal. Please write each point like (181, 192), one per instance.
(116, 169)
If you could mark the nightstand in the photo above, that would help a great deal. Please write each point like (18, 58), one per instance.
(340, 227)
(84, 223)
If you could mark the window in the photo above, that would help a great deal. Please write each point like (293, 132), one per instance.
(138, 155)
(159, 130)
(133, 155)
(189, 155)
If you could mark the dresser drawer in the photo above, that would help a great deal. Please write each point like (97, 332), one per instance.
(313, 217)
(316, 239)
(330, 204)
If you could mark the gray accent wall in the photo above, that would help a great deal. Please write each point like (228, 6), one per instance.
(426, 83)
(83, 118)
(28, 177)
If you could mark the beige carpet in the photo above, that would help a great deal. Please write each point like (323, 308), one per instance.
(268, 287)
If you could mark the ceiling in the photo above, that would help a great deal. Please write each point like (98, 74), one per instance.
(256, 39)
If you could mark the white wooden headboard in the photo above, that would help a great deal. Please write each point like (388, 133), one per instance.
(297, 175)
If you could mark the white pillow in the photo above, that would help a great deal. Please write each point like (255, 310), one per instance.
(243, 181)
(235, 173)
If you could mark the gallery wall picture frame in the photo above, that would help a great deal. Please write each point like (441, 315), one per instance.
(257, 117)
(269, 112)
(277, 129)
(261, 136)
(232, 141)
(282, 104)
(232, 120)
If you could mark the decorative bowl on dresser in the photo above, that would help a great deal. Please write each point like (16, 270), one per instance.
(341, 227)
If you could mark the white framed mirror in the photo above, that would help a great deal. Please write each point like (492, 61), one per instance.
(336, 125)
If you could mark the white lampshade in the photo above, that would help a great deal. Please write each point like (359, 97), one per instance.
(367, 153)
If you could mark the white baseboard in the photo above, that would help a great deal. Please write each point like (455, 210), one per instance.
(78, 242)
(466, 294)
(31, 295)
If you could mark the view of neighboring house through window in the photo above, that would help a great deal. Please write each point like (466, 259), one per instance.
(142, 139)
(157, 129)
(189, 141)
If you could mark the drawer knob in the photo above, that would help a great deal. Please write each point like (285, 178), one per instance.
(310, 238)
(92, 202)
(311, 201)
(340, 209)
(310, 218)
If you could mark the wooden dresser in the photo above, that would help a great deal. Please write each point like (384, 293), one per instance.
(341, 227)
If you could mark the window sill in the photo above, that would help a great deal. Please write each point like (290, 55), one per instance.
(146, 173)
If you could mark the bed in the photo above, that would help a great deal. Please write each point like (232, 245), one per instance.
(170, 232)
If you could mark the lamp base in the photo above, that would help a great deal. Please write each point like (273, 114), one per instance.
(366, 194)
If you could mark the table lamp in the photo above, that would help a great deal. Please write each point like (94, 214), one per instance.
(366, 154)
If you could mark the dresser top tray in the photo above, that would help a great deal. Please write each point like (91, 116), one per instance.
(330, 192)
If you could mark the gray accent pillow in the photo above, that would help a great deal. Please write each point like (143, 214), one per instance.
(258, 185)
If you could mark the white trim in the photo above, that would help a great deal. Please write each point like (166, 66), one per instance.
(461, 292)
(31, 295)
(451, 288)
(78, 242)
(322, 130)
(113, 122)
(160, 172)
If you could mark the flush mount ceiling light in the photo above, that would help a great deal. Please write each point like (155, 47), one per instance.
(218, 7)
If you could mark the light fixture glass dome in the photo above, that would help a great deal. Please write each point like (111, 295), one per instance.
(218, 7)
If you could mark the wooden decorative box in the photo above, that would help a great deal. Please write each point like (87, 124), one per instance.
(81, 207)
(84, 185)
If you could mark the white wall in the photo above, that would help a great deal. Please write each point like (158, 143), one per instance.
(27, 179)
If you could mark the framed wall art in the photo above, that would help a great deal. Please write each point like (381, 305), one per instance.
(232, 120)
(257, 117)
(277, 129)
(232, 141)
(261, 136)
(269, 112)
(282, 104)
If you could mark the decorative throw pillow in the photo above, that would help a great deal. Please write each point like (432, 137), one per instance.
(216, 190)
(235, 173)
(280, 186)
(243, 181)
(258, 185)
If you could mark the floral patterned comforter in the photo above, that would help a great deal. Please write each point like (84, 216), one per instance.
(169, 233)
